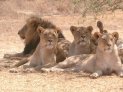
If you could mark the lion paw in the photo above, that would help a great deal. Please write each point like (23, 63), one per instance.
(6, 56)
(29, 70)
(45, 70)
(121, 75)
(94, 75)
(13, 70)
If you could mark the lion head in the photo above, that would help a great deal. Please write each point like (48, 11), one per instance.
(48, 37)
(82, 35)
(107, 41)
(31, 25)
(22, 32)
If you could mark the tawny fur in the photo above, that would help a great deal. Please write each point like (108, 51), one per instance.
(82, 43)
(45, 53)
(62, 50)
(119, 41)
(31, 38)
(105, 61)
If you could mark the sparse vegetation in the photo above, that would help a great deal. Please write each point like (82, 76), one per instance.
(97, 6)
(61, 7)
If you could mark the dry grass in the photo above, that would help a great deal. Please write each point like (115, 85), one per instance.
(23, 8)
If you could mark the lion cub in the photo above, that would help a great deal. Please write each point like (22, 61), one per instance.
(45, 53)
(82, 43)
(105, 61)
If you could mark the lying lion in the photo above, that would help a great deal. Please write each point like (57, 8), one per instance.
(31, 39)
(45, 53)
(105, 61)
(82, 43)
(119, 41)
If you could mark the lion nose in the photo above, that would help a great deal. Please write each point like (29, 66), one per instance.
(50, 40)
(109, 44)
(83, 36)
(19, 32)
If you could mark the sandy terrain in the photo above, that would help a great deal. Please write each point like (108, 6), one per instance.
(54, 82)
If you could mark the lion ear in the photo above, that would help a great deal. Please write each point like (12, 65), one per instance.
(90, 28)
(115, 35)
(59, 32)
(73, 29)
(40, 29)
(105, 31)
(96, 35)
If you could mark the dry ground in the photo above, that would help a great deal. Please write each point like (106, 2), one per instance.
(54, 82)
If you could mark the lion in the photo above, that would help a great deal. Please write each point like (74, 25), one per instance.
(62, 50)
(45, 53)
(119, 41)
(105, 61)
(31, 38)
(82, 43)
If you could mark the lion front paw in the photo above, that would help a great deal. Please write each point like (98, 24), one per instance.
(94, 75)
(7, 56)
(121, 74)
(45, 70)
(29, 70)
(13, 70)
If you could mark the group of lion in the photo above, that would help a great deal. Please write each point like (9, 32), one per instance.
(47, 50)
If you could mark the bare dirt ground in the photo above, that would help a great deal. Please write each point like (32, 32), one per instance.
(54, 82)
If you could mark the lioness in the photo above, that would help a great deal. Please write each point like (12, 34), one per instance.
(82, 43)
(105, 61)
(45, 53)
(119, 41)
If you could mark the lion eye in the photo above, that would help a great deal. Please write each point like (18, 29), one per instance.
(86, 32)
(111, 39)
(54, 35)
(78, 32)
(104, 40)
(45, 34)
